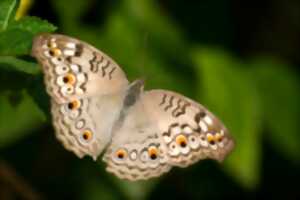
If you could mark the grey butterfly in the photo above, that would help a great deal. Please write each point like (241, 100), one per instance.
(95, 108)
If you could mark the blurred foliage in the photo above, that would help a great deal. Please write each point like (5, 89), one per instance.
(257, 96)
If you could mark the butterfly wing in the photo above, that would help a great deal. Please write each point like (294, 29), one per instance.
(136, 151)
(84, 126)
(85, 85)
(74, 69)
(188, 130)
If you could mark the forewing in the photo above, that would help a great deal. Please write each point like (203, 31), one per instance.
(74, 69)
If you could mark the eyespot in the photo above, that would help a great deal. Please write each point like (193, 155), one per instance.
(193, 142)
(66, 90)
(54, 52)
(218, 137)
(173, 149)
(73, 105)
(51, 44)
(61, 69)
(181, 141)
(210, 138)
(87, 135)
(69, 79)
(56, 60)
(153, 152)
(121, 154)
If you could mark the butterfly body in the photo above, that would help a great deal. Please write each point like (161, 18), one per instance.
(143, 133)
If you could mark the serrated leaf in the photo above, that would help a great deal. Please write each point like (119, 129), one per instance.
(32, 25)
(279, 87)
(6, 7)
(17, 119)
(12, 63)
(17, 39)
(227, 91)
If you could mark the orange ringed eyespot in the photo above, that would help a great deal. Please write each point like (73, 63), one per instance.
(87, 135)
(181, 140)
(218, 137)
(121, 153)
(69, 79)
(55, 52)
(210, 138)
(74, 104)
(51, 44)
(153, 152)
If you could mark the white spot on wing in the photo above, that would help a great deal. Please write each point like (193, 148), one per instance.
(167, 139)
(187, 130)
(80, 124)
(80, 78)
(69, 52)
(133, 155)
(78, 90)
(71, 45)
(203, 126)
(176, 130)
(208, 120)
(204, 143)
(185, 150)
(75, 68)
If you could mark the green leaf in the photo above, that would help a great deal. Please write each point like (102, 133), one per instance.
(32, 25)
(6, 7)
(279, 87)
(15, 42)
(17, 39)
(17, 119)
(12, 63)
(228, 92)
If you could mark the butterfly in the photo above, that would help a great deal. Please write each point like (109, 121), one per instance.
(95, 109)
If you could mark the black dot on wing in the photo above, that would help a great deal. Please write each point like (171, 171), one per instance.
(120, 156)
(153, 156)
(51, 52)
(65, 79)
(183, 144)
(70, 106)
(212, 142)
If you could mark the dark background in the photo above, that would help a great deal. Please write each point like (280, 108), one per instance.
(164, 41)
